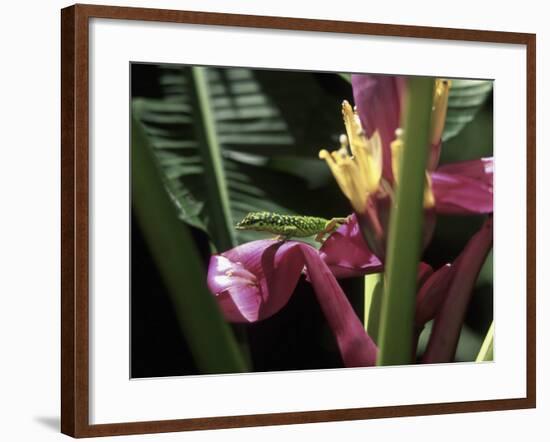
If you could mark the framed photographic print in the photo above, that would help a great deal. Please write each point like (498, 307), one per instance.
(273, 220)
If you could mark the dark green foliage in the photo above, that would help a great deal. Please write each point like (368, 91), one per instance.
(263, 127)
(465, 99)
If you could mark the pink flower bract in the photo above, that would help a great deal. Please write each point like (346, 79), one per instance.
(255, 280)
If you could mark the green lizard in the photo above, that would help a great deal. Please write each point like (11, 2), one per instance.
(287, 226)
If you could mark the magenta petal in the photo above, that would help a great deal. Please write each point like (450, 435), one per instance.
(373, 223)
(255, 280)
(249, 255)
(450, 317)
(356, 347)
(236, 289)
(379, 100)
(347, 254)
(240, 304)
(480, 169)
(428, 228)
(282, 269)
(228, 274)
(432, 294)
(424, 272)
(462, 189)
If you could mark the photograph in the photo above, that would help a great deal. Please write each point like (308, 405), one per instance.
(286, 220)
(266, 221)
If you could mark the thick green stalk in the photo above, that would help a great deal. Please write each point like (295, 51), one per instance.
(405, 232)
(486, 350)
(210, 338)
(374, 290)
(220, 221)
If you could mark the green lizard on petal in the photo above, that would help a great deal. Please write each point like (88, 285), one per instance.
(288, 226)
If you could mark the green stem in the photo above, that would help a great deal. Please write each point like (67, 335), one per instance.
(374, 290)
(221, 222)
(404, 241)
(210, 338)
(486, 350)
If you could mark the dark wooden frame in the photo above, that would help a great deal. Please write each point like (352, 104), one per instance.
(74, 219)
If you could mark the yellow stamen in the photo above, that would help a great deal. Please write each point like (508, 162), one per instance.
(343, 142)
(367, 153)
(358, 170)
(429, 198)
(396, 155)
(357, 164)
(439, 113)
(336, 171)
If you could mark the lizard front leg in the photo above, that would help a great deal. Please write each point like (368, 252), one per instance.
(330, 226)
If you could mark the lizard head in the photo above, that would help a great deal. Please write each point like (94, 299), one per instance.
(251, 221)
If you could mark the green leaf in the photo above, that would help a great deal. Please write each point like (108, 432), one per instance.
(205, 126)
(210, 339)
(346, 77)
(474, 141)
(486, 274)
(216, 133)
(465, 99)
